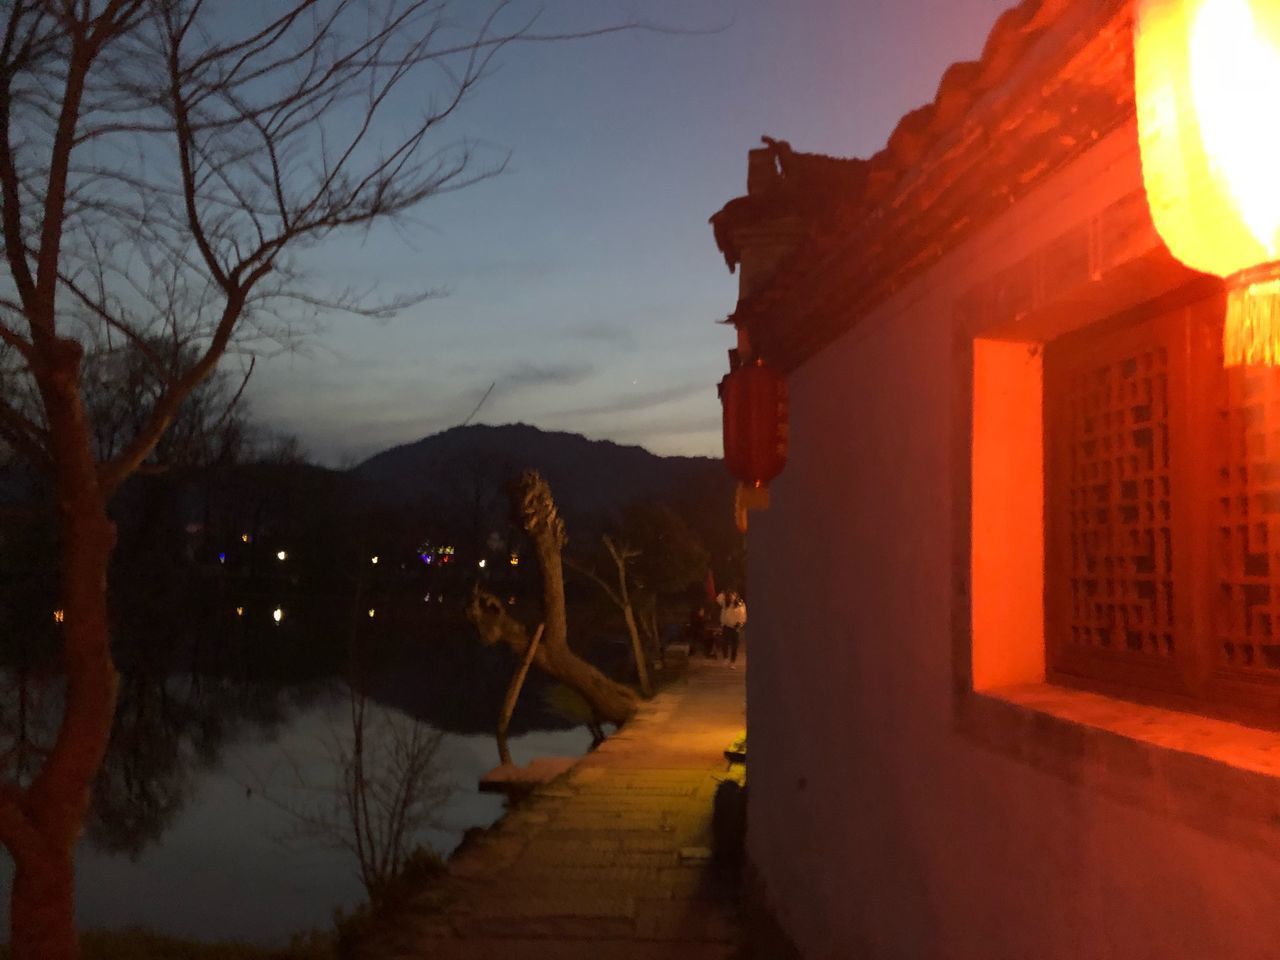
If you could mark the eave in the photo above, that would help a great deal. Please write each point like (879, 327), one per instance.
(1055, 77)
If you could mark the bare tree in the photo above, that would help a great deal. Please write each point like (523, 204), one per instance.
(609, 700)
(652, 552)
(622, 555)
(670, 558)
(164, 164)
(208, 428)
(389, 787)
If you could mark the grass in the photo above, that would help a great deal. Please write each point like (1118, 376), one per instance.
(142, 945)
(417, 881)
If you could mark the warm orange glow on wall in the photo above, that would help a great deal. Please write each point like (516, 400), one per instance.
(1207, 84)
(1007, 512)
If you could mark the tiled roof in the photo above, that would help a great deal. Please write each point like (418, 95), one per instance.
(1053, 76)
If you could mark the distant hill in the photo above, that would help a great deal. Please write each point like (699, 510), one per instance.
(452, 483)
(590, 478)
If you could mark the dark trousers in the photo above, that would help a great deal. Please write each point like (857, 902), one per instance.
(731, 642)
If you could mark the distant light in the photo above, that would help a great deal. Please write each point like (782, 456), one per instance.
(222, 558)
(374, 559)
(426, 557)
(245, 538)
(427, 598)
(515, 560)
(481, 564)
(511, 601)
(239, 611)
(282, 555)
(277, 614)
(59, 615)
(372, 613)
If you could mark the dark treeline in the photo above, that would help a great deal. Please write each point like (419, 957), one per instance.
(245, 586)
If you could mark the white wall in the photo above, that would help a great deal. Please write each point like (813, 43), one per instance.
(877, 830)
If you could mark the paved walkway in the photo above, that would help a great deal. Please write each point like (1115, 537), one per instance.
(611, 861)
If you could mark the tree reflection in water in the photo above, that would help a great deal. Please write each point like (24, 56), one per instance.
(181, 837)
(194, 676)
(197, 677)
(144, 782)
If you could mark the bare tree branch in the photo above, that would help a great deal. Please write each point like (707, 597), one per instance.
(164, 168)
(24, 435)
(601, 582)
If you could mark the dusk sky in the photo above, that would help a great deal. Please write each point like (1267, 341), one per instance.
(584, 280)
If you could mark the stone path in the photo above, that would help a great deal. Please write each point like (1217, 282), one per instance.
(611, 861)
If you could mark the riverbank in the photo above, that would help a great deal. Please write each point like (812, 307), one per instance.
(612, 860)
(233, 865)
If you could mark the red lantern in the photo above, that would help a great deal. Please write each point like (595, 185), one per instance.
(1204, 72)
(755, 423)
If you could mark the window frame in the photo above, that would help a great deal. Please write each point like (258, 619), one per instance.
(1194, 679)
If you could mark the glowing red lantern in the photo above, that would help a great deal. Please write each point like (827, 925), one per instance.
(754, 398)
(1206, 74)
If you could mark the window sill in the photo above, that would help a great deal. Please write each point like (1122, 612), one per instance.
(1218, 777)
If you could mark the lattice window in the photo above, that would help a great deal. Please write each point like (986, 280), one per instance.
(1121, 543)
(1246, 614)
(1162, 517)
(1114, 600)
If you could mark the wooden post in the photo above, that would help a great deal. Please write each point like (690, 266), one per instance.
(513, 694)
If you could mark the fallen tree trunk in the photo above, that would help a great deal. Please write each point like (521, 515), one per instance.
(536, 510)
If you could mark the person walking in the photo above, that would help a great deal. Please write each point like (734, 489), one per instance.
(733, 617)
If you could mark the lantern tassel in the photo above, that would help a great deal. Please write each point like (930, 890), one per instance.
(1251, 331)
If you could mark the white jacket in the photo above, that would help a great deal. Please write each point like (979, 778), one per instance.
(734, 615)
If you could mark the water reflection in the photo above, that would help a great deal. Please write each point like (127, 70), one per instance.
(190, 831)
(213, 851)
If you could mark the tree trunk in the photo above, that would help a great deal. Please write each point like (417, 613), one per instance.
(49, 814)
(645, 605)
(533, 504)
(42, 911)
(637, 650)
(620, 556)
(608, 699)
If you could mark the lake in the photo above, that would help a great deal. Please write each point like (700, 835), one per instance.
(231, 861)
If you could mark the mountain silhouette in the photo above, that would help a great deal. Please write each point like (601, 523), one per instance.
(591, 479)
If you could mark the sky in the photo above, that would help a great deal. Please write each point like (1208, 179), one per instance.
(583, 282)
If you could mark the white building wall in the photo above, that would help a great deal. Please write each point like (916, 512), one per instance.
(876, 829)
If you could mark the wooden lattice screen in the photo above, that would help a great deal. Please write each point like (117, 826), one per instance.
(1246, 611)
(1162, 519)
